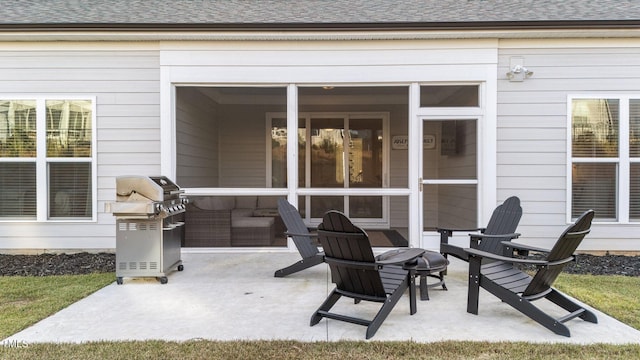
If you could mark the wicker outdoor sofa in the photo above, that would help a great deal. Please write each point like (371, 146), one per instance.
(224, 221)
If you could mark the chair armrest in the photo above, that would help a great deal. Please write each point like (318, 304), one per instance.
(445, 234)
(401, 256)
(488, 255)
(524, 249)
(450, 231)
(475, 238)
(312, 235)
(492, 256)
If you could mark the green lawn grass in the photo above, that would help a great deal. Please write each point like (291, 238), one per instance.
(617, 296)
(25, 300)
(294, 350)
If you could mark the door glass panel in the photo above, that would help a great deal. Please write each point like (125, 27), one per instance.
(449, 206)
(365, 207)
(365, 153)
(302, 206)
(279, 153)
(302, 153)
(327, 153)
(449, 149)
(322, 204)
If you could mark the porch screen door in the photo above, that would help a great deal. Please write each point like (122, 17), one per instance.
(449, 174)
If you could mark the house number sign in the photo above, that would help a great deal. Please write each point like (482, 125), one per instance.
(401, 142)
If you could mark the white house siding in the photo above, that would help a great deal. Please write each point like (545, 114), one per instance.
(124, 78)
(128, 80)
(532, 128)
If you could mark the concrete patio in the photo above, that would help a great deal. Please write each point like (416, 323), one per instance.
(234, 296)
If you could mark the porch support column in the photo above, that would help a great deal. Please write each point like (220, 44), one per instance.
(292, 143)
(167, 124)
(415, 168)
(488, 149)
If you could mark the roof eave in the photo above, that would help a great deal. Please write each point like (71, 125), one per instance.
(440, 26)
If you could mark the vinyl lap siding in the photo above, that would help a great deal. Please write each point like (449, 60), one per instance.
(532, 129)
(124, 78)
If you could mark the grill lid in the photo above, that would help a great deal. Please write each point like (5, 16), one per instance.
(154, 188)
(134, 204)
(140, 196)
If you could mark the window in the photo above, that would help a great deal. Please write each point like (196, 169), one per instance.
(449, 96)
(46, 159)
(605, 157)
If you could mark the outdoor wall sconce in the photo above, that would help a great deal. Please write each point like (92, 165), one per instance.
(517, 70)
(519, 73)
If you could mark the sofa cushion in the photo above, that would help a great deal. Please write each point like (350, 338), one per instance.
(241, 213)
(252, 222)
(215, 203)
(265, 212)
(267, 202)
(246, 202)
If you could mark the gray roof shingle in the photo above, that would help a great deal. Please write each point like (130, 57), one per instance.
(247, 13)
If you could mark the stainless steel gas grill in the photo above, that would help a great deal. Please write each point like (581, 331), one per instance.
(149, 226)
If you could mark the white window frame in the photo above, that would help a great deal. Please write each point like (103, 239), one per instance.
(623, 161)
(42, 161)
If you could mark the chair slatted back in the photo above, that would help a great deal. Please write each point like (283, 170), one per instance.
(563, 249)
(295, 225)
(349, 255)
(504, 220)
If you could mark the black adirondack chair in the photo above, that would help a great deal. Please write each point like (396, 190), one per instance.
(305, 240)
(502, 226)
(359, 276)
(513, 286)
